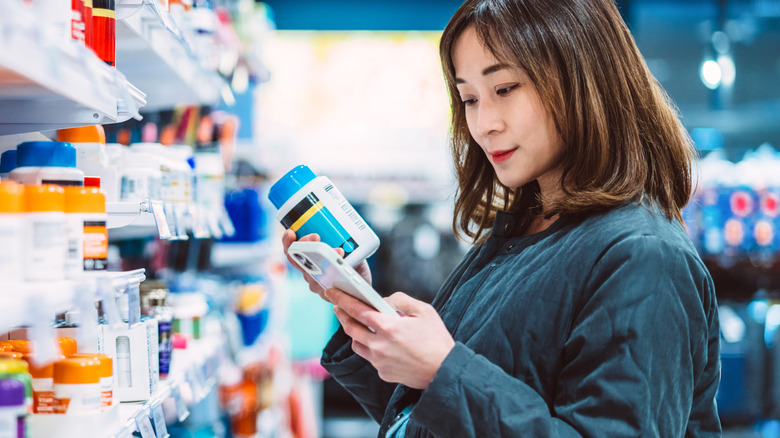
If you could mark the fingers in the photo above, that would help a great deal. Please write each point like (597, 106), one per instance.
(352, 327)
(361, 312)
(407, 305)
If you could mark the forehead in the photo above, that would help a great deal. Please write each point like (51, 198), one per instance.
(471, 52)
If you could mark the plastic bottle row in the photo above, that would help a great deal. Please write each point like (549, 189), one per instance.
(189, 186)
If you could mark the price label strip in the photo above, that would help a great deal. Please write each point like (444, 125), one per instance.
(144, 424)
(158, 418)
(181, 408)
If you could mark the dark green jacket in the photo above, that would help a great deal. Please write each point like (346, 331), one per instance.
(605, 327)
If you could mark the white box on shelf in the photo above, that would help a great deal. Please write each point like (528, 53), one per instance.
(129, 348)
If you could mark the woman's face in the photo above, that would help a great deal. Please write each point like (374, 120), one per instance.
(506, 117)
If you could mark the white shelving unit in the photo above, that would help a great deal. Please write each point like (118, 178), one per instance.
(49, 83)
(154, 54)
(49, 298)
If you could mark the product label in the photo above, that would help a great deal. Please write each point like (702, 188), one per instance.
(61, 405)
(74, 229)
(346, 207)
(46, 249)
(43, 402)
(311, 215)
(95, 246)
(166, 346)
(10, 425)
(11, 238)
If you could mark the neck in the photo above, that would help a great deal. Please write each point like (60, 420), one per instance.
(539, 224)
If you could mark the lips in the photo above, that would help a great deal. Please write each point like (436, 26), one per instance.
(500, 156)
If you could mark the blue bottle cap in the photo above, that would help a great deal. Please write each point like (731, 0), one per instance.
(8, 161)
(290, 183)
(11, 392)
(45, 154)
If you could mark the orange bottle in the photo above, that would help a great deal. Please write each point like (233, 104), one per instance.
(85, 218)
(11, 230)
(76, 386)
(44, 236)
(106, 377)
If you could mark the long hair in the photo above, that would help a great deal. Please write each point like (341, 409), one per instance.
(622, 138)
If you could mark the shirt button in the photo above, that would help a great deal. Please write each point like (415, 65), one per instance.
(511, 246)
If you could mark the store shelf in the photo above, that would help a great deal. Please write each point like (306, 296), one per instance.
(191, 379)
(41, 300)
(49, 83)
(154, 54)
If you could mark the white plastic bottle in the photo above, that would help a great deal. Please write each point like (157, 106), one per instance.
(45, 246)
(11, 233)
(47, 162)
(310, 204)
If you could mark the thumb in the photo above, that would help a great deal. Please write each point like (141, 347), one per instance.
(406, 304)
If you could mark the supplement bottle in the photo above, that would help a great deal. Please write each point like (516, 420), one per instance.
(19, 370)
(92, 157)
(45, 246)
(85, 216)
(11, 232)
(42, 385)
(76, 386)
(7, 163)
(106, 377)
(153, 303)
(310, 204)
(12, 409)
(47, 162)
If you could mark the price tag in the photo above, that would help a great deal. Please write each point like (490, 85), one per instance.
(144, 424)
(181, 408)
(158, 417)
(133, 304)
(158, 211)
(196, 385)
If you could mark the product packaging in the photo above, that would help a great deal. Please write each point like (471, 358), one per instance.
(310, 204)
(47, 162)
(11, 233)
(45, 245)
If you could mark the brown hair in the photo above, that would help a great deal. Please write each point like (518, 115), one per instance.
(622, 138)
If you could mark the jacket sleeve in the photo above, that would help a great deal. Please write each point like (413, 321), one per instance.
(356, 375)
(636, 358)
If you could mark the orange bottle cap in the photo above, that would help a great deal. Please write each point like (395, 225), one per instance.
(84, 200)
(83, 134)
(11, 355)
(21, 345)
(11, 200)
(38, 371)
(67, 345)
(106, 363)
(40, 198)
(76, 370)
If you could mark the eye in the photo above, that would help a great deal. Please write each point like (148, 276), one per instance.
(469, 102)
(503, 91)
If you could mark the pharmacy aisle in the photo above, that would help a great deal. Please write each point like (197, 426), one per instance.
(118, 319)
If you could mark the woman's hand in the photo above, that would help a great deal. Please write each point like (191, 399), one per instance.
(408, 350)
(289, 237)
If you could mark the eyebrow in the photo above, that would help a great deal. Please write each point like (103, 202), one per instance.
(488, 71)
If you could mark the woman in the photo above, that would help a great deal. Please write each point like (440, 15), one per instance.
(583, 309)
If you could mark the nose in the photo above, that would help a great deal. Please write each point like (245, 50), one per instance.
(489, 118)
